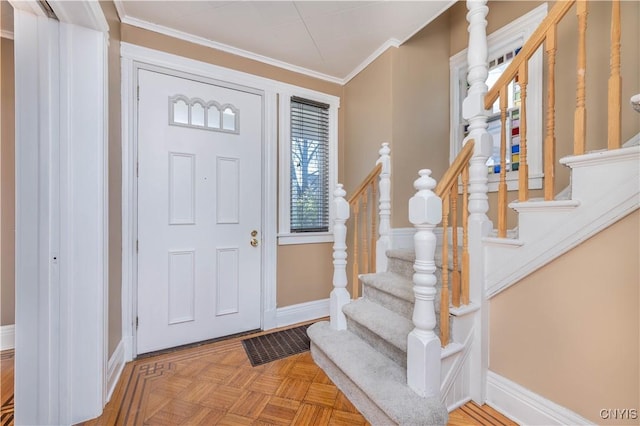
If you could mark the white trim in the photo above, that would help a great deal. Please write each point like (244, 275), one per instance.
(114, 369)
(181, 35)
(6, 34)
(136, 56)
(545, 235)
(83, 13)
(392, 42)
(525, 407)
(633, 141)
(7, 337)
(305, 238)
(302, 312)
(284, 191)
(61, 229)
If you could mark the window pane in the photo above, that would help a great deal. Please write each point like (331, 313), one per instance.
(197, 114)
(180, 112)
(309, 166)
(213, 117)
(228, 119)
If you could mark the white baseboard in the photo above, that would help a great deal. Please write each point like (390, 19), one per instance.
(302, 312)
(526, 407)
(114, 368)
(7, 337)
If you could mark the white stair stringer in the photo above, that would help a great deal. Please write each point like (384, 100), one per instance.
(605, 187)
(455, 370)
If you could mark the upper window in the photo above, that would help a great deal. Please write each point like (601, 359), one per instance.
(308, 162)
(196, 113)
(503, 45)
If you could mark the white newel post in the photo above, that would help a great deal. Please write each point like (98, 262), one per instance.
(479, 224)
(339, 295)
(423, 345)
(384, 242)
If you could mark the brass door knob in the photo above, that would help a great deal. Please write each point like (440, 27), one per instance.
(254, 242)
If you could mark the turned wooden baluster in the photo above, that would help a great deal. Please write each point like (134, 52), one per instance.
(444, 290)
(580, 118)
(615, 81)
(455, 274)
(365, 231)
(550, 137)
(465, 235)
(523, 170)
(339, 295)
(374, 225)
(502, 185)
(354, 274)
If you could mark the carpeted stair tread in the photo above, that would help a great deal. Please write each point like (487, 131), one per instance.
(382, 380)
(384, 323)
(391, 283)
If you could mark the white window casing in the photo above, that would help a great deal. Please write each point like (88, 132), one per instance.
(285, 236)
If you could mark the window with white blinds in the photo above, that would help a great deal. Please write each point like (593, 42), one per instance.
(309, 166)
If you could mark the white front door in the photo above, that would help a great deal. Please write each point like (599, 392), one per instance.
(199, 211)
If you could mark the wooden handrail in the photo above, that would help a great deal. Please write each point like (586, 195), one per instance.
(447, 190)
(455, 170)
(531, 45)
(375, 173)
(360, 198)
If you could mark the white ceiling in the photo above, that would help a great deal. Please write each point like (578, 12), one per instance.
(332, 40)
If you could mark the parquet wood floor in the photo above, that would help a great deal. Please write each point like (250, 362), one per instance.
(214, 384)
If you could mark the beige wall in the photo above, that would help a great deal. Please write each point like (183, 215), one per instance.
(367, 113)
(115, 180)
(7, 190)
(401, 98)
(420, 116)
(304, 271)
(570, 331)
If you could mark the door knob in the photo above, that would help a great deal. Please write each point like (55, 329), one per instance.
(254, 242)
(254, 233)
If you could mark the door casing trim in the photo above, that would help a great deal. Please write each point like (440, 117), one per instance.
(133, 59)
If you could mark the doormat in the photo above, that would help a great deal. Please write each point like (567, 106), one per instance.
(280, 344)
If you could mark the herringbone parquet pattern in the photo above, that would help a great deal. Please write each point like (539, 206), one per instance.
(214, 384)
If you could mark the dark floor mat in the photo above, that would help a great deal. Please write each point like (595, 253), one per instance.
(273, 346)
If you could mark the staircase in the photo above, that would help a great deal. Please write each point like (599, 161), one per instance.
(369, 359)
(415, 345)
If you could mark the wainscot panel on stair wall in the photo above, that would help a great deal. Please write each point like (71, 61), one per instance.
(314, 287)
(7, 212)
(115, 181)
(570, 331)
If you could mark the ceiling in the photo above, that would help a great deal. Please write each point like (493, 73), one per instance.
(333, 40)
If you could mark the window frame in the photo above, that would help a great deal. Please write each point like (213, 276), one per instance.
(510, 36)
(285, 236)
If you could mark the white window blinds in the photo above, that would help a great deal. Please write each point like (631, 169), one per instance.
(309, 166)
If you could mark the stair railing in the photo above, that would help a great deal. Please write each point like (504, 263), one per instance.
(370, 237)
(447, 189)
(517, 70)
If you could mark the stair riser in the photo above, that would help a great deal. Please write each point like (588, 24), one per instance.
(401, 267)
(375, 341)
(389, 301)
(360, 399)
